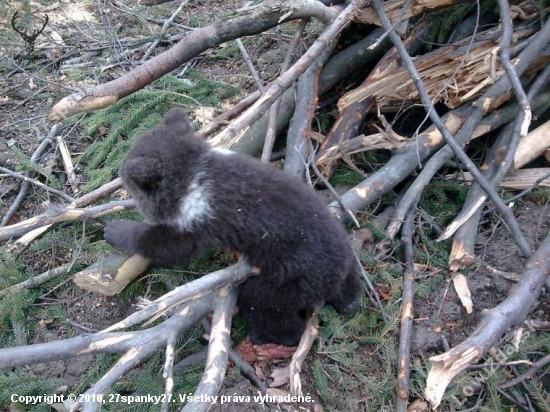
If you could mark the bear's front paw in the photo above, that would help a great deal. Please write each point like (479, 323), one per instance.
(122, 234)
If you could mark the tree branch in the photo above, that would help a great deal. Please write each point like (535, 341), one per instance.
(407, 312)
(232, 132)
(194, 43)
(109, 342)
(37, 183)
(494, 323)
(532, 49)
(274, 109)
(204, 285)
(306, 342)
(58, 214)
(489, 123)
(218, 347)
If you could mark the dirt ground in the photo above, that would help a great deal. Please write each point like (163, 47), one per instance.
(440, 320)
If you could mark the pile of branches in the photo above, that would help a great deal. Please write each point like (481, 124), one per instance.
(489, 79)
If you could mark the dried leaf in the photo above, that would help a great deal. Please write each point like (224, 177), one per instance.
(280, 377)
(259, 372)
(278, 393)
(274, 351)
(246, 350)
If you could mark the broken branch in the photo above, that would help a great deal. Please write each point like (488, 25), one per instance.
(219, 343)
(405, 334)
(58, 214)
(494, 323)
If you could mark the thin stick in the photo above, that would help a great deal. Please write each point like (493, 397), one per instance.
(396, 22)
(329, 186)
(99, 193)
(524, 192)
(405, 334)
(250, 65)
(37, 183)
(35, 280)
(306, 342)
(247, 370)
(165, 27)
(274, 109)
(524, 119)
(67, 162)
(58, 214)
(535, 366)
(373, 294)
(25, 185)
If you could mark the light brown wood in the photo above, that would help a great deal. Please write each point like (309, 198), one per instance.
(517, 180)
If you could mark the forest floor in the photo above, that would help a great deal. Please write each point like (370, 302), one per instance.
(440, 320)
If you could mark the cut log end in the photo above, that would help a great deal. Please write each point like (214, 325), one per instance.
(78, 103)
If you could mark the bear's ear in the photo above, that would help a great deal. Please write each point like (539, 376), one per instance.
(144, 172)
(177, 120)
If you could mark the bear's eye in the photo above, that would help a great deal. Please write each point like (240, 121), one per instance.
(147, 183)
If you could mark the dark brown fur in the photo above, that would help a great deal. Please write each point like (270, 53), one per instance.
(273, 220)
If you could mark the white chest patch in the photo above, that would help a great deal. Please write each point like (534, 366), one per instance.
(195, 207)
(224, 152)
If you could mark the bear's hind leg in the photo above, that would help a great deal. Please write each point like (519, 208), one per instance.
(283, 328)
(274, 312)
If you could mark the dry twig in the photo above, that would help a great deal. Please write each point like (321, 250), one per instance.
(58, 214)
(405, 333)
(535, 366)
(308, 337)
(165, 27)
(25, 186)
(35, 182)
(35, 280)
(274, 109)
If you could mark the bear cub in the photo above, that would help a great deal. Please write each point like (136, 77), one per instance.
(193, 196)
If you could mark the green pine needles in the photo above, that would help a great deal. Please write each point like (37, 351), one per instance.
(443, 199)
(132, 116)
(447, 19)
